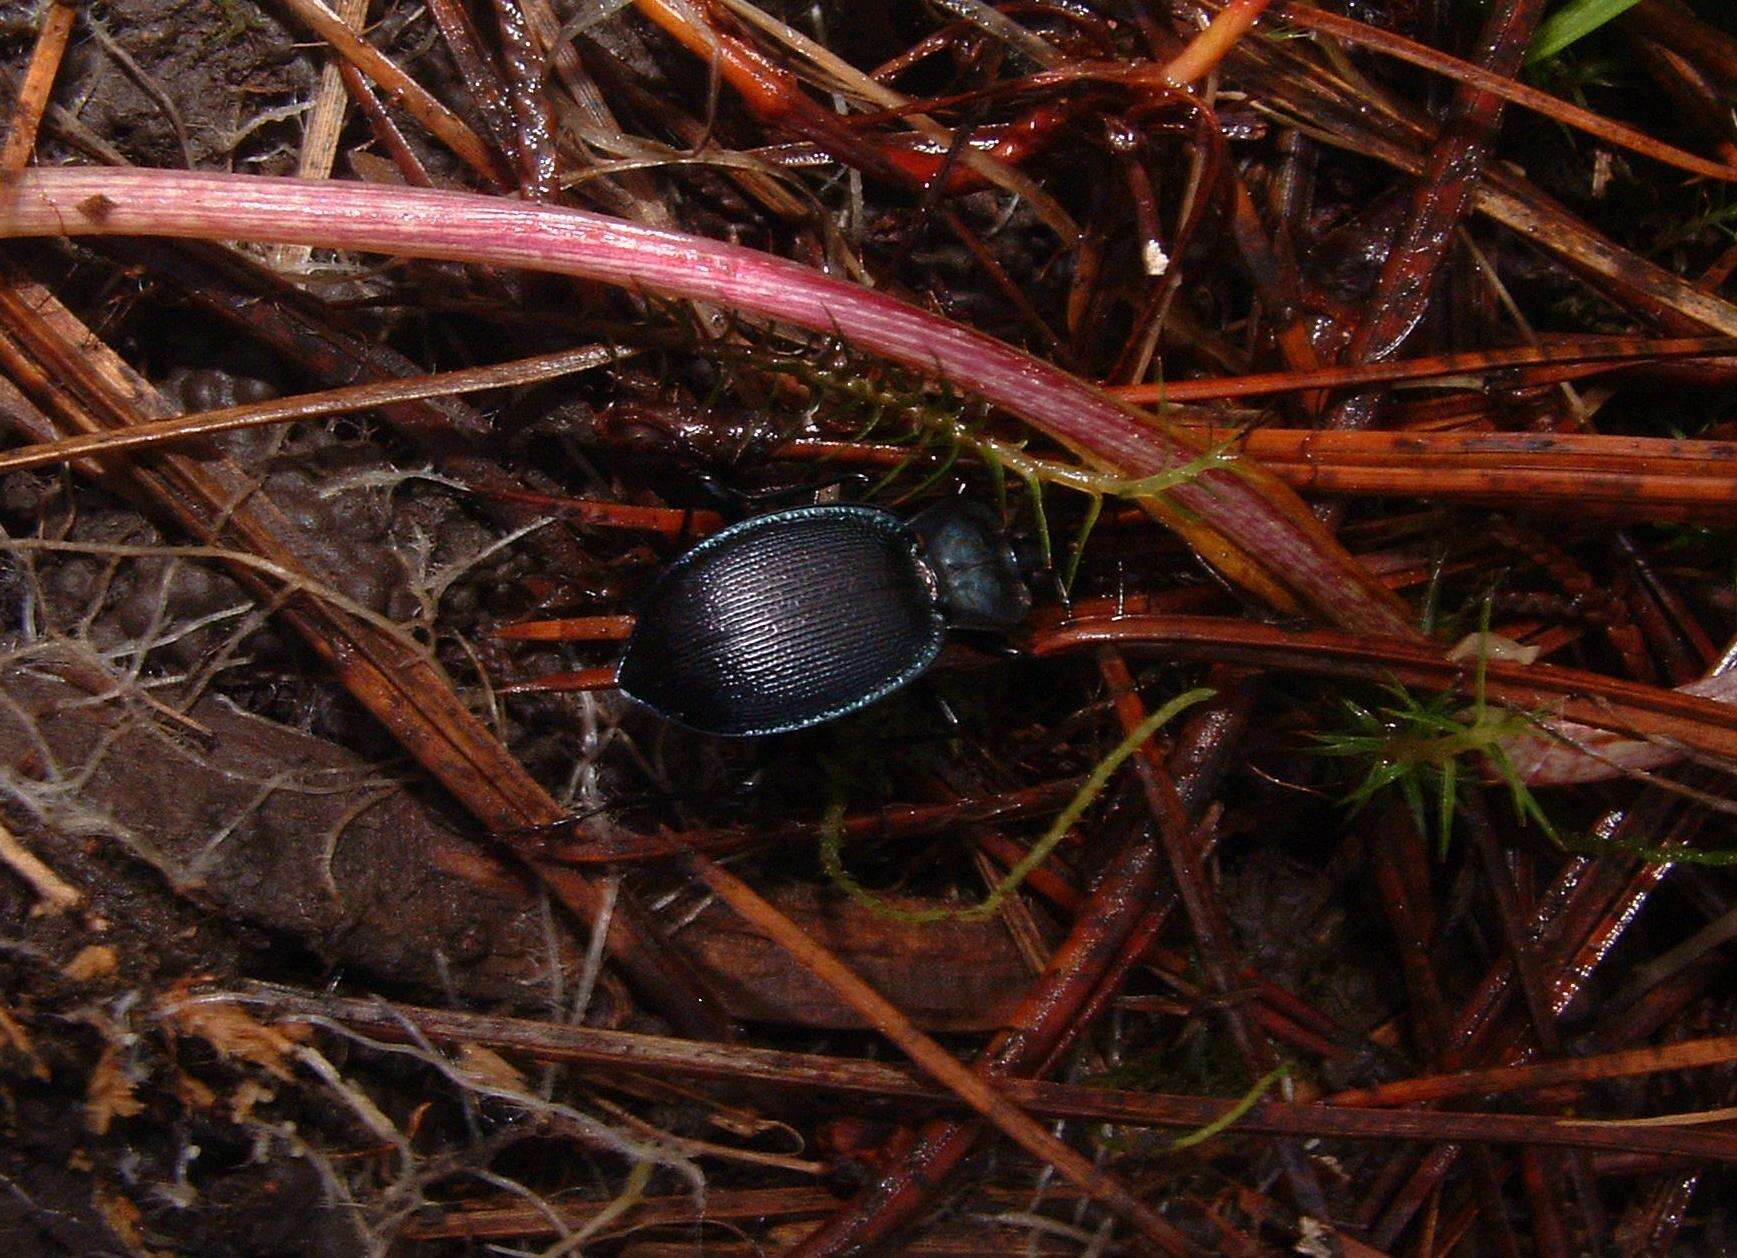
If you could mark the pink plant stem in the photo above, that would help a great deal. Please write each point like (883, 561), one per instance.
(1255, 530)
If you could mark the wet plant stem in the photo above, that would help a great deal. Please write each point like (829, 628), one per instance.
(1240, 518)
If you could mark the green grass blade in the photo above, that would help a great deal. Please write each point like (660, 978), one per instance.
(1235, 1112)
(1093, 510)
(832, 830)
(1040, 517)
(1445, 818)
(1573, 21)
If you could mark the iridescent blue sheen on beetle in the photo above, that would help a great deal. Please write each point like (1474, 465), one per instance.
(976, 573)
(799, 617)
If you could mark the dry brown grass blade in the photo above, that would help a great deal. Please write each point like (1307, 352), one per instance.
(1332, 114)
(620, 1051)
(403, 90)
(1477, 363)
(1579, 475)
(1518, 93)
(325, 124)
(1686, 1055)
(1612, 477)
(38, 84)
(308, 406)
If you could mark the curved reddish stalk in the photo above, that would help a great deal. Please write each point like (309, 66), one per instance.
(1243, 520)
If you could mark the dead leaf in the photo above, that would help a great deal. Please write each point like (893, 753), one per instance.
(124, 1220)
(121, 1215)
(249, 1093)
(489, 1068)
(371, 169)
(192, 1093)
(92, 962)
(1316, 1240)
(1492, 646)
(15, 1042)
(945, 976)
(110, 1094)
(234, 1033)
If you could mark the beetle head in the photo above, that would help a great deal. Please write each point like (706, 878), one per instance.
(977, 576)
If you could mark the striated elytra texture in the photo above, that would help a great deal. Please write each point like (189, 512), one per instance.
(785, 621)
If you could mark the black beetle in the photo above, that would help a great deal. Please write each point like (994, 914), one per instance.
(795, 618)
